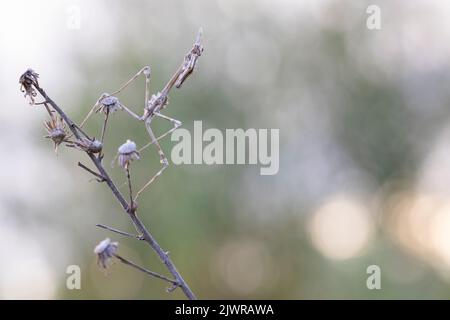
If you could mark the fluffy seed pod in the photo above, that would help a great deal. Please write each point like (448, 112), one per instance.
(56, 131)
(127, 152)
(26, 84)
(105, 251)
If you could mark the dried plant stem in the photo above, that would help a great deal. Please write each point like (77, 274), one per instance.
(153, 274)
(123, 233)
(100, 178)
(104, 126)
(146, 235)
(129, 187)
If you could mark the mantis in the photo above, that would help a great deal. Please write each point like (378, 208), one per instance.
(153, 106)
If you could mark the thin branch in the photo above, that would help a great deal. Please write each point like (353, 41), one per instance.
(123, 233)
(147, 236)
(100, 178)
(104, 126)
(151, 273)
(129, 188)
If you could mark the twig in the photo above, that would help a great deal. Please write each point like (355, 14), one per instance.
(104, 126)
(153, 274)
(147, 237)
(123, 233)
(100, 178)
(130, 189)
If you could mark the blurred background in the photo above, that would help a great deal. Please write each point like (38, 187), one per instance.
(364, 123)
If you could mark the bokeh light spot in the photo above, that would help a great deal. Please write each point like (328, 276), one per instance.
(340, 228)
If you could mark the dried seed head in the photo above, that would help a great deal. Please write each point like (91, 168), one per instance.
(105, 251)
(95, 146)
(109, 104)
(56, 131)
(190, 60)
(91, 146)
(27, 80)
(127, 147)
(127, 153)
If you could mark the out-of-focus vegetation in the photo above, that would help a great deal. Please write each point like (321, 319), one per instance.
(364, 137)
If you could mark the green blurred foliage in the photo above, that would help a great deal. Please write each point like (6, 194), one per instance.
(313, 76)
